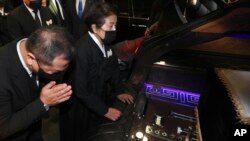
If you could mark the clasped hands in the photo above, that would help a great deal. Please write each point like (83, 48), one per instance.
(53, 94)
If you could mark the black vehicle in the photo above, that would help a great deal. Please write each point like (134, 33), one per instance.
(136, 16)
(191, 83)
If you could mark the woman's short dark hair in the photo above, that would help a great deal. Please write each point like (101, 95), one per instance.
(97, 14)
(46, 43)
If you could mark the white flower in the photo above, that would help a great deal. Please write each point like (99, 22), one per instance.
(49, 22)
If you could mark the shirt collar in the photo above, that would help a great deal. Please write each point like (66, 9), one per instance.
(30, 10)
(21, 58)
(100, 45)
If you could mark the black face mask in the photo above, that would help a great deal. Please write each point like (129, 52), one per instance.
(110, 37)
(50, 77)
(35, 5)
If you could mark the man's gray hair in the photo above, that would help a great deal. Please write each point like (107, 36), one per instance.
(46, 43)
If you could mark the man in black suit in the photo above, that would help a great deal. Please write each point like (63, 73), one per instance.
(76, 23)
(28, 17)
(23, 99)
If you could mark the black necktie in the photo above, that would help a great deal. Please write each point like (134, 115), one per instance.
(34, 86)
(34, 79)
(37, 19)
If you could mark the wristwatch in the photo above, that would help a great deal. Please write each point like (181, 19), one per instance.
(46, 107)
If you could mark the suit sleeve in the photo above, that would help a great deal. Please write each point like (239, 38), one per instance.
(11, 121)
(68, 16)
(83, 92)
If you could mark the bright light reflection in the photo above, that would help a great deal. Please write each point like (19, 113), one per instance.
(194, 2)
(139, 135)
(145, 138)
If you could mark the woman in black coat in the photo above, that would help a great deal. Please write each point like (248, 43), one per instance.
(95, 76)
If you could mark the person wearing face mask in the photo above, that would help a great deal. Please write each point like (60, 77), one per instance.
(24, 101)
(28, 17)
(95, 79)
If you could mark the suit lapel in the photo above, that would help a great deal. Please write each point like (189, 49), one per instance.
(22, 91)
(46, 17)
(86, 6)
(43, 17)
(53, 8)
(95, 48)
(20, 77)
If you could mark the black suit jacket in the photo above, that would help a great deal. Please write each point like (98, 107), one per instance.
(76, 25)
(4, 36)
(21, 23)
(20, 107)
(93, 73)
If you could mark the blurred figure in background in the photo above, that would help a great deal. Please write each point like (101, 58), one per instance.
(28, 17)
(16, 3)
(75, 10)
(5, 6)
